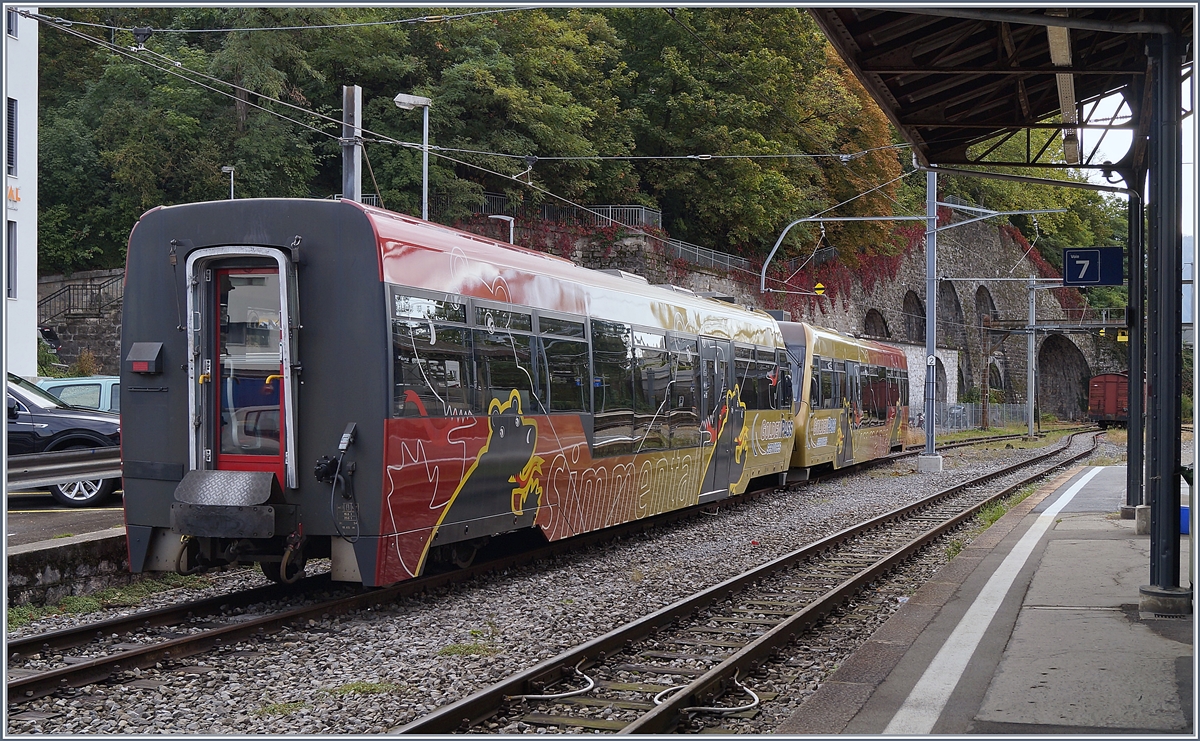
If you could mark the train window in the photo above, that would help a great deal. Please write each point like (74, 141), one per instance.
(886, 395)
(430, 368)
(649, 339)
(612, 387)
(768, 384)
(415, 307)
(747, 380)
(560, 327)
(500, 319)
(783, 386)
(840, 391)
(564, 387)
(684, 420)
(814, 389)
(904, 388)
(503, 363)
(827, 391)
(685, 345)
(651, 383)
(875, 393)
(743, 353)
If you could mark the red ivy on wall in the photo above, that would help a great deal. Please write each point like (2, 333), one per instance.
(837, 278)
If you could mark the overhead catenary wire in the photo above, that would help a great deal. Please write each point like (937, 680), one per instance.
(844, 157)
(117, 49)
(133, 53)
(60, 21)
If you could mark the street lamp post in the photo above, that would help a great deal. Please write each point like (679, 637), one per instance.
(229, 169)
(510, 221)
(409, 102)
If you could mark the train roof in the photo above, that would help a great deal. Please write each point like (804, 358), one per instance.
(439, 259)
(810, 334)
(537, 279)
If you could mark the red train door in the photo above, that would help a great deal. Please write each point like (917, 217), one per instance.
(247, 372)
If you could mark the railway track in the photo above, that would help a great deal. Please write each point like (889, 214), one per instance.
(679, 668)
(103, 650)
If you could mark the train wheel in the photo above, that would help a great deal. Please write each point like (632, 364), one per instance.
(463, 554)
(287, 571)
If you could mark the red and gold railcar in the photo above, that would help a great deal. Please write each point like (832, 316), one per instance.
(319, 378)
(852, 398)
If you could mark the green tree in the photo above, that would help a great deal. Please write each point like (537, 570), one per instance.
(741, 81)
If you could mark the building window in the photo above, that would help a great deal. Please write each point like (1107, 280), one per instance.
(10, 21)
(10, 245)
(12, 137)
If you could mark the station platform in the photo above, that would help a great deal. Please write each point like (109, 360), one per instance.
(1034, 628)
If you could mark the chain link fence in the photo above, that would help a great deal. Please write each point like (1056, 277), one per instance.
(970, 416)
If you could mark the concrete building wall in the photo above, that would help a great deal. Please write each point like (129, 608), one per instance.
(20, 202)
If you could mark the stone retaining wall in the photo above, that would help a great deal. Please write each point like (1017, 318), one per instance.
(41, 573)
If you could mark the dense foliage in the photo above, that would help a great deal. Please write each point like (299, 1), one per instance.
(124, 131)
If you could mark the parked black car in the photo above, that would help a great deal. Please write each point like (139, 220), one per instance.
(39, 423)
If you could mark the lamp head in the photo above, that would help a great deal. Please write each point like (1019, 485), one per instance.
(409, 102)
(227, 170)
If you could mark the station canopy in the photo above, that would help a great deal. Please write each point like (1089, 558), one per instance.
(959, 82)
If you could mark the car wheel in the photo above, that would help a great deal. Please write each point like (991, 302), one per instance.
(83, 493)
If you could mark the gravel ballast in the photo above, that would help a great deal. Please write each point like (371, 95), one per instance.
(370, 671)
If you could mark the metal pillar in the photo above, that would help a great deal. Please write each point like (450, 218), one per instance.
(1164, 342)
(1135, 468)
(351, 143)
(1031, 357)
(930, 461)
(425, 164)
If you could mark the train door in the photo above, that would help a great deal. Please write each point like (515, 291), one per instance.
(248, 369)
(241, 345)
(717, 431)
(854, 408)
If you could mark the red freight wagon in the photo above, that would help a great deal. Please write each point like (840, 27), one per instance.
(1108, 399)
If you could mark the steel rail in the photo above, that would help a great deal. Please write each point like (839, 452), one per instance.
(60, 467)
(665, 717)
(88, 672)
(475, 708)
(18, 648)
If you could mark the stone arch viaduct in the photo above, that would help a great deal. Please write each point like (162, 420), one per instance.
(976, 265)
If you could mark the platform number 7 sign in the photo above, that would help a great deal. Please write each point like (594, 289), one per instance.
(1093, 266)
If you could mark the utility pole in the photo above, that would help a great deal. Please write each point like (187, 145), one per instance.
(930, 461)
(1030, 349)
(352, 143)
(987, 369)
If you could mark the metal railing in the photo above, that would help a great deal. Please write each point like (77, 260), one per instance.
(367, 199)
(1088, 315)
(707, 258)
(82, 298)
(821, 256)
(632, 215)
(601, 216)
(43, 469)
(970, 416)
